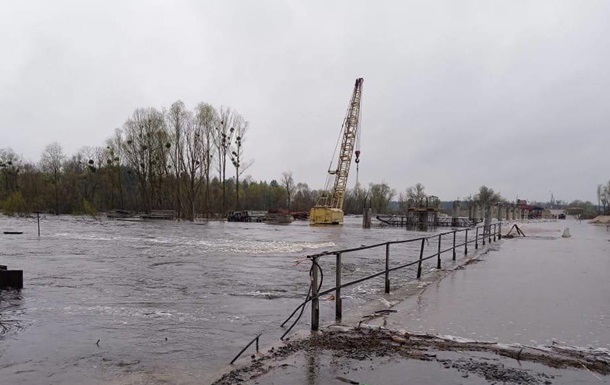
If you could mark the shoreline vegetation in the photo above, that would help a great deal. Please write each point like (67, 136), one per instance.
(601, 220)
(193, 161)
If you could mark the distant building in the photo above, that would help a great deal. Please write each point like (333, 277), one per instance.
(534, 212)
(557, 214)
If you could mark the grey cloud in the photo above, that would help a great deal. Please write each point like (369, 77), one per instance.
(456, 94)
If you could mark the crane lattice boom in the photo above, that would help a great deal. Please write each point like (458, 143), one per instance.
(328, 209)
(350, 127)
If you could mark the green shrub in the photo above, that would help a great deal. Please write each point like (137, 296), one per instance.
(13, 204)
(85, 208)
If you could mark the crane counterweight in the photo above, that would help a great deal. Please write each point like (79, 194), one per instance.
(329, 207)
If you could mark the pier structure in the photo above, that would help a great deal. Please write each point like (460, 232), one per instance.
(499, 211)
(455, 214)
(425, 214)
(421, 214)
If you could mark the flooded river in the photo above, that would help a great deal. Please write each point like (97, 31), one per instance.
(169, 302)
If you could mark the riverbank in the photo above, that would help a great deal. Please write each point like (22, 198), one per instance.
(601, 220)
(532, 296)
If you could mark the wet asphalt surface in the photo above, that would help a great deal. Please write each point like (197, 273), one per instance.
(529, 292)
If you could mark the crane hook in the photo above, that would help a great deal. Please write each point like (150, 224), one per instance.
(357, 152)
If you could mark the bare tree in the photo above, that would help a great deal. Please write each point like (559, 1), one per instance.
(192, 160)
(600, 193)
(303, 199)
(238, 131)
(114, 154)
(9, 169)
(51, 161)
(206, 120)
(413, 196)
(177, 120)
(146, 150)
(223, 140)
(231, 126)
(86, 162)
(487, 196)
(289, 186)
(416, 192)
(605, 198)
(380, 194)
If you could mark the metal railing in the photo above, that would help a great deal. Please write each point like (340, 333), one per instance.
(255, 339)
(491, 232)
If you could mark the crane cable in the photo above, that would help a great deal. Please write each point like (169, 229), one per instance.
(330, 165)
(358, 129)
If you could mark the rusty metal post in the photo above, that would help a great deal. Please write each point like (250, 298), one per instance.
(454, 245)
(338, 300)
(387, 268)
(421, 257)
(476, 239)
(466, 243)
(315, 301)
(438, 261)
(489, 233)
(487, 224)
(366, 218)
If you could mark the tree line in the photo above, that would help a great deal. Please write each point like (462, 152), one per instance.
(190, 161)
(603, 198)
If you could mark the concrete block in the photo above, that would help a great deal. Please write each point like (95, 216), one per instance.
(11, 279)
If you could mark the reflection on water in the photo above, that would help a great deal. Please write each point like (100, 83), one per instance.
(541, 289)
(168, 300)
(312, 367)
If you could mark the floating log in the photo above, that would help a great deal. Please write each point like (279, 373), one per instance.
(13, 232)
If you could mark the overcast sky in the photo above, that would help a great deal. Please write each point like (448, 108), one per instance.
(513, 94)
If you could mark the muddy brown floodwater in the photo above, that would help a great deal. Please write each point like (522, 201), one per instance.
(169, 302)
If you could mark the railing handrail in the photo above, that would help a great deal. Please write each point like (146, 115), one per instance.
(314, 288)
(314, 298)
(410, 240)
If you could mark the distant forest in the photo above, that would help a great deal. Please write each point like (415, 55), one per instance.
(190, 161)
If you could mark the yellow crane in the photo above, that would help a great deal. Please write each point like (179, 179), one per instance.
(329, 207)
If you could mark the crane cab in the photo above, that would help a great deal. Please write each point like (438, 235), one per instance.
(323, 215)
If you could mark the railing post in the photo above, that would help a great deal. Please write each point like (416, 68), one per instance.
(421, 257)
(476, 239)
(387, 268)
(484, 234)
(466, 243)
(315, 302)
(495, 224)
(454, 244)
(489, 235)
(338, 300)
(438, 260)
(500, 230)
